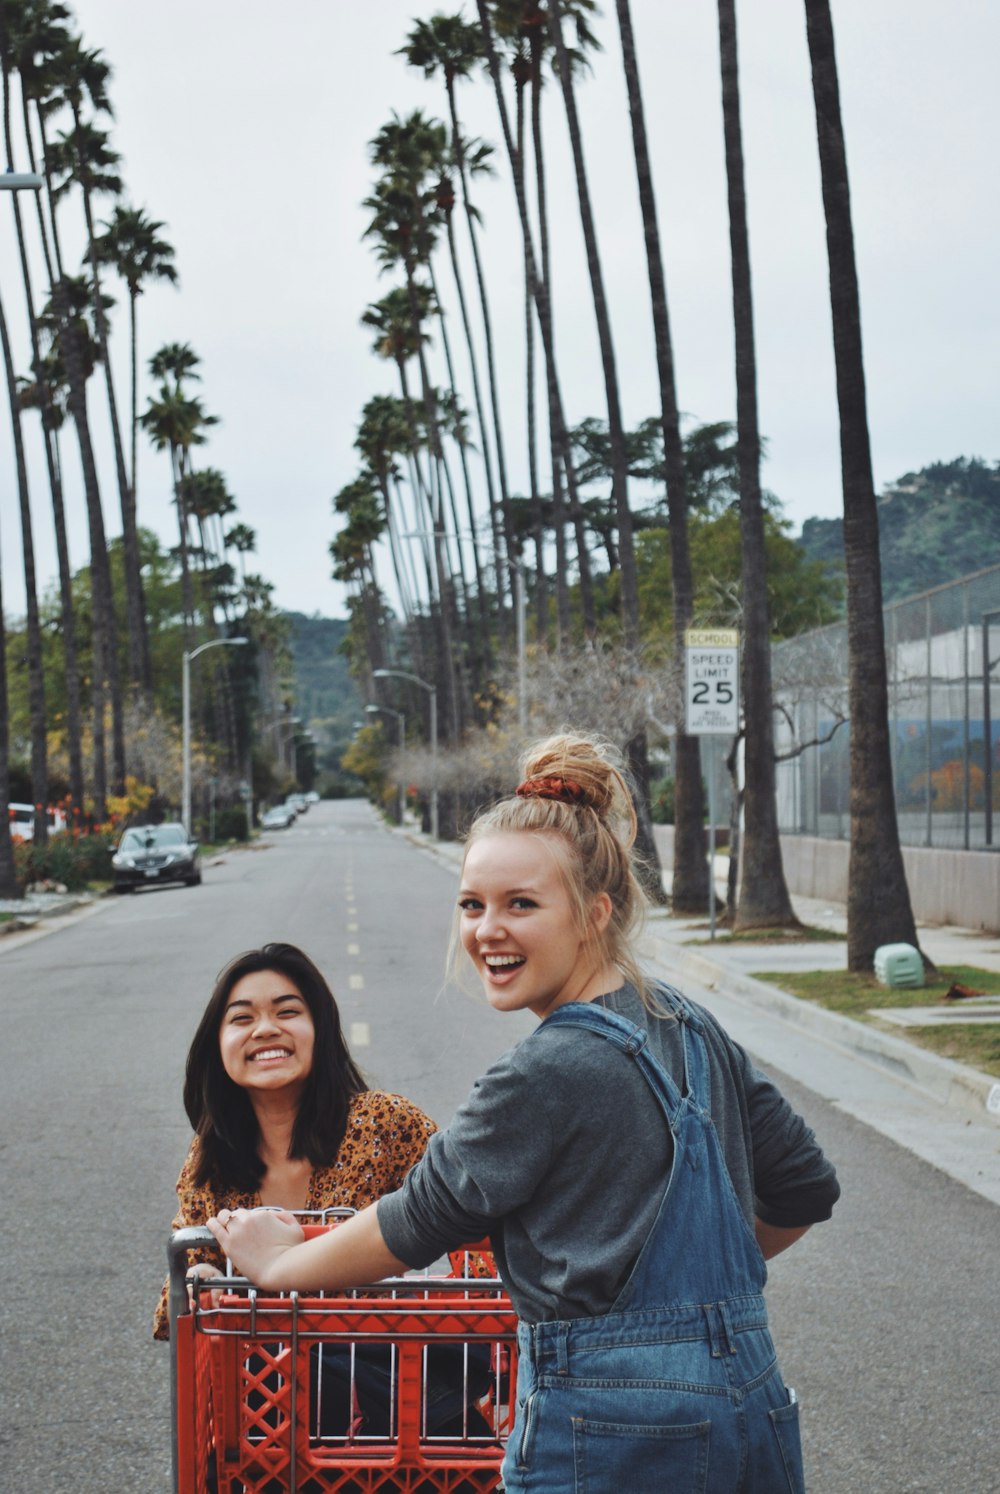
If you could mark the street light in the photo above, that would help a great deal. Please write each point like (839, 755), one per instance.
(186, 718)
(402, 674)
(21, 181)
(401, 718)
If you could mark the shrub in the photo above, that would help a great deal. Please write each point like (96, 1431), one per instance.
(661, 796)
(231, 823)
(73, 862)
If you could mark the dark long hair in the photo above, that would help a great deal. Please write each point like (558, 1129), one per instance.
(220, 1111)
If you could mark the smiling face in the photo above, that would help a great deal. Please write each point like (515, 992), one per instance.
(267, 1035)
(519, 927)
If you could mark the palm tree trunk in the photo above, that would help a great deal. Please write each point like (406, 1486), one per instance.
(36, 680)
(540, 296)
(534, 496)
(446, 682)
(763, 896)
(562, 457)
(616, 433)
(470, 507)
(67, 617)
(106, 674)
(136, 637)
(504, 582)
(9, 885)
(147, 662)
(878, 899)
(689, 891)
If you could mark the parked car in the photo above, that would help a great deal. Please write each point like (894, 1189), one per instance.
(298, 802)
(22, 821)
(312, 797)
(278, 818)
(149, 854)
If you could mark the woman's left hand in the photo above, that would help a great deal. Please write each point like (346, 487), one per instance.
(254, 1239)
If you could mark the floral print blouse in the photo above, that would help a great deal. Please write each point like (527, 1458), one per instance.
(386, 1134)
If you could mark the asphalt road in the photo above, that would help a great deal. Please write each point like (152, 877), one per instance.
(885, 1319)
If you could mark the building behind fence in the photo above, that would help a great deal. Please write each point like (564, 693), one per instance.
(943, 656)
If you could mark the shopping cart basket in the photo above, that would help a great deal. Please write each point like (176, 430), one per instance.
(407, 1385)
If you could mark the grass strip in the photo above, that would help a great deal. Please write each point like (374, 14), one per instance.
(860, 995)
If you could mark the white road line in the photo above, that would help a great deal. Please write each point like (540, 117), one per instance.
(356, 982)
(352, 928)
(360, 1035)
(354, 949)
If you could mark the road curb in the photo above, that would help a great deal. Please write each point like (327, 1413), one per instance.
(29, 922)
(944, 1079)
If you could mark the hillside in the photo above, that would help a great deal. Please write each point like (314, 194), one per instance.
(935, 525)
(324, 690)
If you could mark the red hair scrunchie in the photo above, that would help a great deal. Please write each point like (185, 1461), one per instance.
(566, 790)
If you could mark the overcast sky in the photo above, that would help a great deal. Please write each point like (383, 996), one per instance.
(244, 125)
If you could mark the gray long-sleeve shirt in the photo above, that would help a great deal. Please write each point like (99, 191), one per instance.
(561, 1155)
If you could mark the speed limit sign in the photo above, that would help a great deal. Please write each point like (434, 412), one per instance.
(712, 677)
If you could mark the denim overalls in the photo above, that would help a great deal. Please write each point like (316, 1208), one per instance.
(676, 1390)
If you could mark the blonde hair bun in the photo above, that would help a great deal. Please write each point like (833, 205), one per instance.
(592, 766)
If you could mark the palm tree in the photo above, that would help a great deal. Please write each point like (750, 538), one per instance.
(352, 552)
(46, 393)
(176, 360)
(689, 889)
(452, 46)
(384, 433)
(763, 898)
(525, 24)
(878, 899)
(9, 885)
(64, 323)
(36, 681)
(30, 35)
(131, 243)
(454, 423)
(619, 454)
(83, 156)
(176, 423)
(541, 297)
(73, 342)
(397, 338)
(243, 540)
(404, 224)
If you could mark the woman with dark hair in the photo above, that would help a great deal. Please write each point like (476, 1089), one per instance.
(281, 1113)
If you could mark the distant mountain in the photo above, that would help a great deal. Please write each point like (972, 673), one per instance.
(934, 526)
(324, 690)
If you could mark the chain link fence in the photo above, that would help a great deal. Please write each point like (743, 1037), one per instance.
(943, 657)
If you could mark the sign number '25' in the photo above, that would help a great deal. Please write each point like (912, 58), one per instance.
(701, 692)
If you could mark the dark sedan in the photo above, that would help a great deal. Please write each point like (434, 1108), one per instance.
(150, 854)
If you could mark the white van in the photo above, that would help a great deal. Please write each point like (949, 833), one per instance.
(22, 821)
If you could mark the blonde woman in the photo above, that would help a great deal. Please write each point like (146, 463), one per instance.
(631, 1165)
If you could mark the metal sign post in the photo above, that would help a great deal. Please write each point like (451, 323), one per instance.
(712, 709)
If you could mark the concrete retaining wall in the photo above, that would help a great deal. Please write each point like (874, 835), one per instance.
(947, 887)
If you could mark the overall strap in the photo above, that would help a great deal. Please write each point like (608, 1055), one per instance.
(625, 1035)
(696, 1072)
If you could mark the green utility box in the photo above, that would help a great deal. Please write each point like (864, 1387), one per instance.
(898, 965)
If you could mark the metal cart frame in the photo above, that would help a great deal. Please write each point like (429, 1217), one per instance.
(247, 1382)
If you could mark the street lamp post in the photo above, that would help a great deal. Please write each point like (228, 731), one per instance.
(401, 718)
(186, 719)
(402, 674)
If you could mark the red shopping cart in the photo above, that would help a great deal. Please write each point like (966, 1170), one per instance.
(405, 1385)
